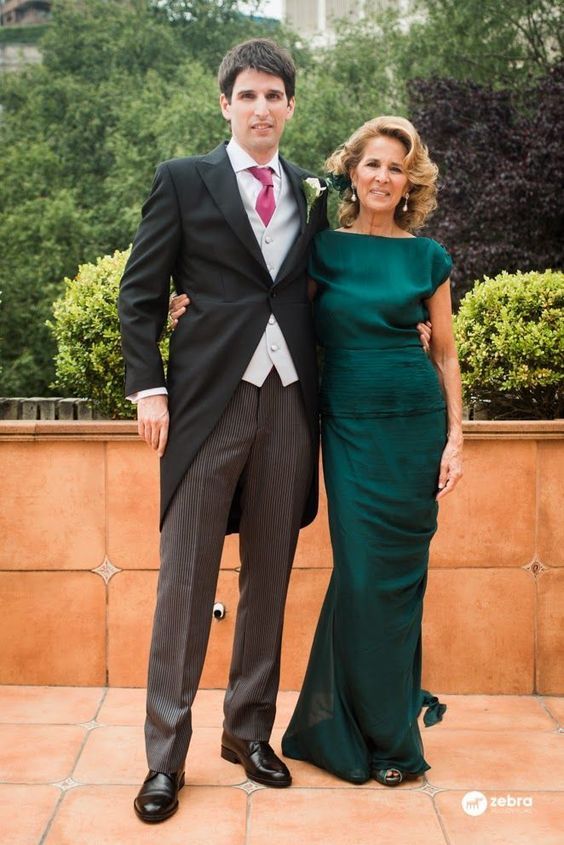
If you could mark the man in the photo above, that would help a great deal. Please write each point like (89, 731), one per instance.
(236, 423)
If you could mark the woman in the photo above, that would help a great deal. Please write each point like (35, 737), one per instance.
(389, 453)
(391, 442)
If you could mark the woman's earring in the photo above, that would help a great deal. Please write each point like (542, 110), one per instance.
(405, 203)
(353, 195)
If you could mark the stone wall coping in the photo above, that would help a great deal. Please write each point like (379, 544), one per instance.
(112, 430)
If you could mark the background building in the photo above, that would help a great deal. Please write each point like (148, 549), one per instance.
(314, 16)
(22, 22)
(311, 17)
(24, 12)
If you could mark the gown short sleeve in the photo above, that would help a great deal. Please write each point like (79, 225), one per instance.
(441, 266)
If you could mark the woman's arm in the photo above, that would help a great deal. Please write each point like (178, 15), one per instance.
(444, 357)
(178, 303)
(311, 288)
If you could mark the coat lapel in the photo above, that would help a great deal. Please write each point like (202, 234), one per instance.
(219, 177)
(295, 177)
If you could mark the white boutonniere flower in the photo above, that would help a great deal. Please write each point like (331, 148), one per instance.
(312, 189)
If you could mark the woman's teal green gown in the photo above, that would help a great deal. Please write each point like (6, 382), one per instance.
(383, 433)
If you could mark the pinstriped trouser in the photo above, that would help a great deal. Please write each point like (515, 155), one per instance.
(262, 442)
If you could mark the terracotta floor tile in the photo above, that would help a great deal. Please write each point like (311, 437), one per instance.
(49, 705)
(113, 755)
(102, 815)
(556, 707)
(494, 713)
(342, 817)
(25, 812)
(38, 753)
(123, 706)
(502, 760)
(542, 823)
(117, 755)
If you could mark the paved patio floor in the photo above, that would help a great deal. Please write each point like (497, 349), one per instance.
(72, 759)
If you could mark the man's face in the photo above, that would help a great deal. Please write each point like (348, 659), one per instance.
(258, 112)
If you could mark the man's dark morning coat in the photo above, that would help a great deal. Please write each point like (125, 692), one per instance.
(195, 229)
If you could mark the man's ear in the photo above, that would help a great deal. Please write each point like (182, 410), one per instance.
(225, 106)
(291, 107)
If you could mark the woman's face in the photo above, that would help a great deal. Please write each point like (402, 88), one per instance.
(379, 178)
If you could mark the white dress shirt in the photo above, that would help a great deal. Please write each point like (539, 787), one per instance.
(275, 241)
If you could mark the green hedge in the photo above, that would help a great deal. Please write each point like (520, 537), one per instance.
(22, 34)
(510, 338)
(86, 328)
(509, 333)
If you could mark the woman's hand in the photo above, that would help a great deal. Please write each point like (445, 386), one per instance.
(451, 467)
(177, 306)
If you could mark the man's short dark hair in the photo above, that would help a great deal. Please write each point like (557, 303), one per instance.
(257, 54)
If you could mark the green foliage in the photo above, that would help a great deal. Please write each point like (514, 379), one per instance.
(503, 43)
(125, 84)
(29, 34)
(81, 135)
(368, 68)
(502, 165)
(89, 360)
(510, 339)
(499, 43)
(209, 28)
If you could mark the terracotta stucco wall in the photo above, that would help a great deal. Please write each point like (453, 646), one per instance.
(79, 559)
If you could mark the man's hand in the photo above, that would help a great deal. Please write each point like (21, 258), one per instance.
(425, 331)
(177, 305)
(152, 422)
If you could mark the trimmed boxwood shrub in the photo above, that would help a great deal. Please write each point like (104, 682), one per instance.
(510, 338)
(89, 361)
(509, 333)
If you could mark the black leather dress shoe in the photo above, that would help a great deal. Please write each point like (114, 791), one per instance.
(158, 797)
(257, 758)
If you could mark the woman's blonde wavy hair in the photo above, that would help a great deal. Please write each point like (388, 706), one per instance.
(419, 169)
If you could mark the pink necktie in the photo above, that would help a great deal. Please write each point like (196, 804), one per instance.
(265, 204)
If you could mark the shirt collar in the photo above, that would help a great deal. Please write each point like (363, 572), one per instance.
(241, 160)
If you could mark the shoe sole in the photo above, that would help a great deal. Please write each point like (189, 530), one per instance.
(163, 816)
(232, 757)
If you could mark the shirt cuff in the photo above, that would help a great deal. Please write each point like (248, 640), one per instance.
(152, 391)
